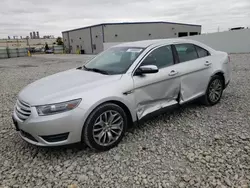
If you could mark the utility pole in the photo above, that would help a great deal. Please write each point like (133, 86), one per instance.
(27, 38)
(7, 44)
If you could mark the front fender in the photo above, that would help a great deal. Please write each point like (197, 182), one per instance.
(115, 91)
(110, 99)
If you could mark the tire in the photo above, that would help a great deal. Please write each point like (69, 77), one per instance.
(208, 99)
(95, 138)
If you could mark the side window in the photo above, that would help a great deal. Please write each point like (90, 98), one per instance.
(202, 52)
(186, 52)
(161, 57)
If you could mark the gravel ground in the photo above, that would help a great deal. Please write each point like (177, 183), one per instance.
(194, 146)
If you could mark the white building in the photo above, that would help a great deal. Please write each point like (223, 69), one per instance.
(93, 38)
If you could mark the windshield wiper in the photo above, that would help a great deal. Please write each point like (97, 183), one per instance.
(79, 68)
(96, 70)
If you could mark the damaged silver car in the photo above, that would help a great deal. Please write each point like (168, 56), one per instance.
(95, 103)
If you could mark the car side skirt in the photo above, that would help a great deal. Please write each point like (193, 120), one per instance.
(157, 113)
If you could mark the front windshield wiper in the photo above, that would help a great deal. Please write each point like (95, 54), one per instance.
(96, 70)
(79, 68)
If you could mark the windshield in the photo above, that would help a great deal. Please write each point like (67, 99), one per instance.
(115, 60)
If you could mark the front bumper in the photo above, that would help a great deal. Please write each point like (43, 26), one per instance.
(53, 130)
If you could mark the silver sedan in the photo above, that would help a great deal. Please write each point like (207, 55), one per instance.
(94, 104)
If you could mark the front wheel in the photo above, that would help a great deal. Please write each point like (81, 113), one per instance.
(105, 127)
(214, 91)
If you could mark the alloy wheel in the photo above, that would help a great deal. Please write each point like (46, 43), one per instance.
(215, 90)
(108, 128)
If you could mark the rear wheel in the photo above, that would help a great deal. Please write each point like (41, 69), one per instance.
(214, 91)
(105, 127)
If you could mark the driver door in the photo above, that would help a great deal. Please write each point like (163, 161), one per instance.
(158, 90)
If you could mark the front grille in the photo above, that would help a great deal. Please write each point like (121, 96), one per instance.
(28, 135)
(22, 110)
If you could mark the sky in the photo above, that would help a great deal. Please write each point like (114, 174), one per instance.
(51, 17)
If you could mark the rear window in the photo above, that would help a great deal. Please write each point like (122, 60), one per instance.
(202, 52)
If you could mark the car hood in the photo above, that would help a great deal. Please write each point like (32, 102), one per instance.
(63, 85)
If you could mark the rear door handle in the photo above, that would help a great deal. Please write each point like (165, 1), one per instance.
(208, 63)
(172, 73)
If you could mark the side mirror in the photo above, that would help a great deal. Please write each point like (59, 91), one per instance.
(146, 69)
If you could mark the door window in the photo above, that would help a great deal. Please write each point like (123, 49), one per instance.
(186, 52)
(161, 57)
(202, 52)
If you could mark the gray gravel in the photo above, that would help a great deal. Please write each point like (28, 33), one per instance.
(194, 146)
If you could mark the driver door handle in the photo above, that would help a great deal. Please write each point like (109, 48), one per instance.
(207, 63)
(172, 73)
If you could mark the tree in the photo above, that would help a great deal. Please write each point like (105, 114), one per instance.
(46, 46)
(59, 41)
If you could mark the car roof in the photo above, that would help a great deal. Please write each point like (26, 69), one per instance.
(156, 42)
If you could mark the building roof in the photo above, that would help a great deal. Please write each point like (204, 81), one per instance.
(127, 23)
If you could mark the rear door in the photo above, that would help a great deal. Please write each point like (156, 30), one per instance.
(195, 70)
(155, 91)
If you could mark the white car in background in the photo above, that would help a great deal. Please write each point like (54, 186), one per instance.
(95, 103)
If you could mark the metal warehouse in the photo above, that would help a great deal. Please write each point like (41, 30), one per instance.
(92, 39)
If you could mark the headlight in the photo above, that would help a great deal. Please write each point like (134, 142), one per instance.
(51, 109)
